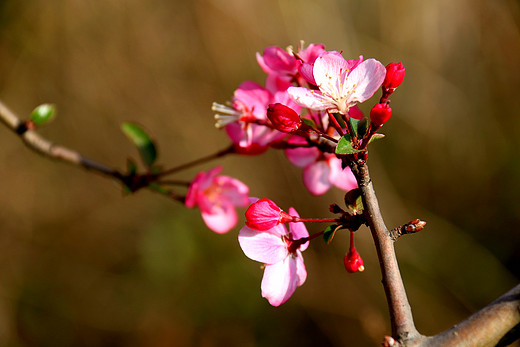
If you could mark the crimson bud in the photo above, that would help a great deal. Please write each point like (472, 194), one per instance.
(284, 118)
(379, 114)
(265, 214)
(394, 76)
(353, 261)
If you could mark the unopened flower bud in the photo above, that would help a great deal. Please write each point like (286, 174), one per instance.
(353, 261)
(394, 76)
(284, 118)
(265, 214)
(379, 114)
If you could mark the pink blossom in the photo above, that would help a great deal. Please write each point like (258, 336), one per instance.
(320, 170)
(281, 252)
(243, 121)
(341, 83)
(217, 196)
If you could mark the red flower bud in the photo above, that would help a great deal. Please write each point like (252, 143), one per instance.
(353, 261)
(265, 214)
(394, 76)
(284, 118)
(379, 114)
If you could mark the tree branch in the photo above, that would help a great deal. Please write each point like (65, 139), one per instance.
(37, 143)
(403, 328)
(487, 327)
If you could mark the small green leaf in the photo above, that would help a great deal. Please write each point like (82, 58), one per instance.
(309, 122)
(144, 144)
(158, 188)
(43, 114)
(362, 127)
(354, 123)
(354, 201)
(376, 137)
(345, 146)
(131, 167)
(329, 232)
(339, 119)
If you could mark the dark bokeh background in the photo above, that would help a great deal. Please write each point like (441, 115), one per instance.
(83, 265)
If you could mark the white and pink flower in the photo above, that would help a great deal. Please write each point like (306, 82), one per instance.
(281, 252)
(216, 197)
(342, 83)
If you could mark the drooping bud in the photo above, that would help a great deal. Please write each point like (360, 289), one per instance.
(379, 114)
(265, 214)
(394, 76)
(353, 261)
(284, 118)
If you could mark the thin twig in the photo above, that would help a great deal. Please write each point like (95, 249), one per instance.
(37, 143)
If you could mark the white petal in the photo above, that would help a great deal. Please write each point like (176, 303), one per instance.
(364, 81)
(280, 281)
(312, 99)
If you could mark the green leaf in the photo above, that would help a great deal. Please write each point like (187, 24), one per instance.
(376, 137)
(354, 123)
(158, 188)
(339, 119)
(43, 114)
(144, 144)
(345, 146)
(309, 122)
(354, 201)
(131, 167)
(362, 128)
(330, 231)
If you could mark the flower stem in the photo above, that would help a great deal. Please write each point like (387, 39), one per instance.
(199, 161)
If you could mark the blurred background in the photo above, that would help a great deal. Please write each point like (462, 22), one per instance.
(83, 265)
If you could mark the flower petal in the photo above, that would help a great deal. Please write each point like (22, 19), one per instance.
(312, 99)
(300, 268)
(329, 71)
(298, 230)
(316, 177)
(280, 281)
(233, 191)
(262, 246)
(343, 179)
(221, 219)
(364, 80)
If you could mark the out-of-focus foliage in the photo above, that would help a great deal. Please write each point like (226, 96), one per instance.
(81, 265)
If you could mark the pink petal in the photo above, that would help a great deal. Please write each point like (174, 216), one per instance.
(316, 177)
(343, 179)
(300, 268)
(252, 96)
(233, 191)
(312, 99)
(220, 220)
(201, 182)
(365, 80)
(262, 246)
(329, 71)
(280, 281)
(301, 157)
(298, 230)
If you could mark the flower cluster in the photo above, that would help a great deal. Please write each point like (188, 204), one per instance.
(308, 108)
